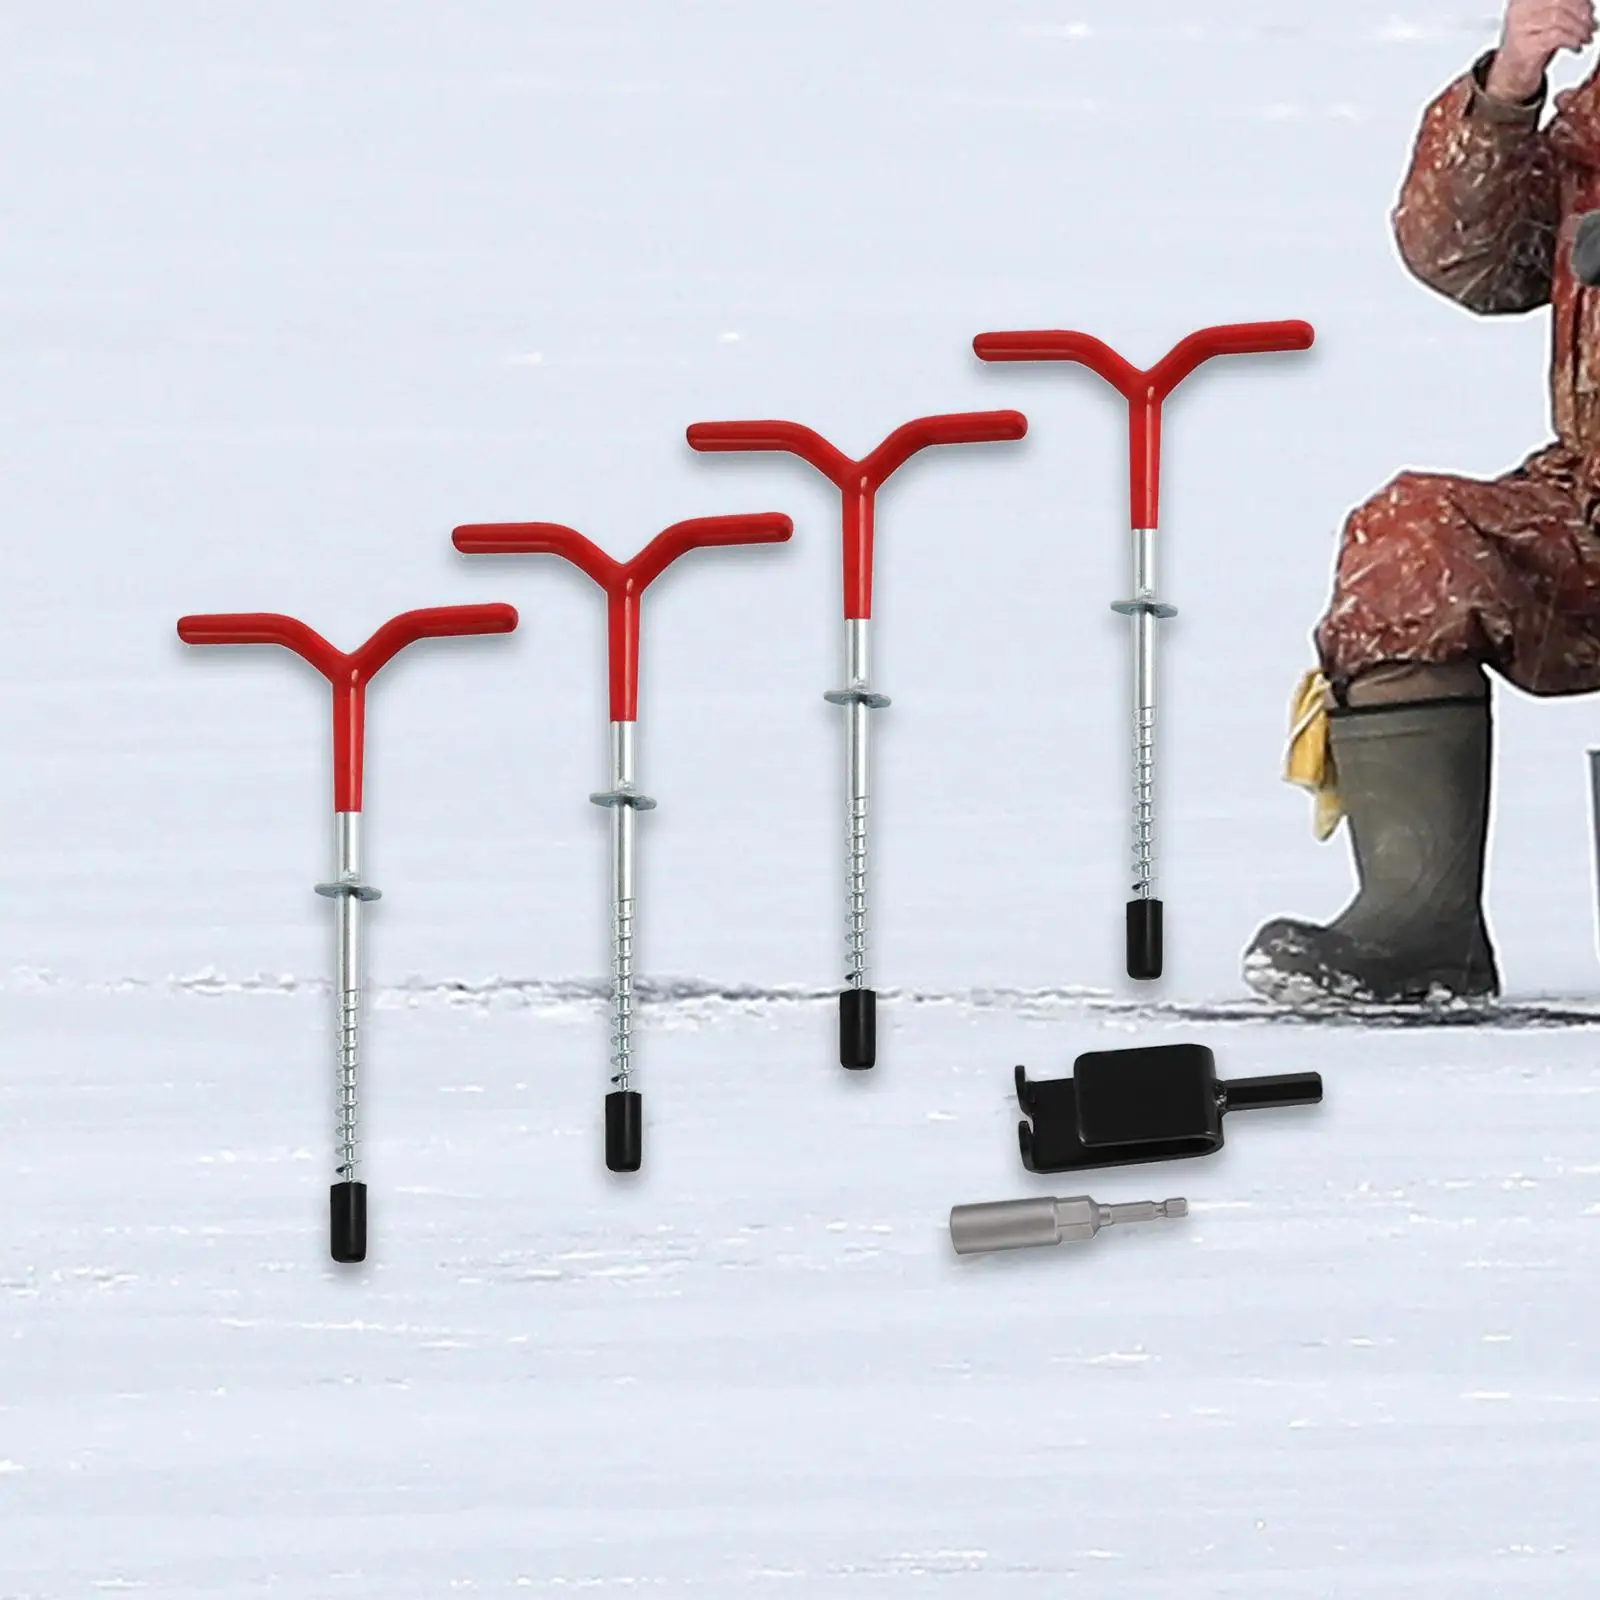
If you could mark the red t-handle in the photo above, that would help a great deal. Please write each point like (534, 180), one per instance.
(349, 674)
(859, 481)
(1144, 391)
(623, 581)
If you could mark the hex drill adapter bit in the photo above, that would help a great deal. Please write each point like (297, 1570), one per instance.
(1155, 1103)
(1015, 1224)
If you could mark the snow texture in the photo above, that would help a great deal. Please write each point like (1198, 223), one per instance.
(290, 291)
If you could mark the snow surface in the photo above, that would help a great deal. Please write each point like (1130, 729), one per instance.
(290, 291)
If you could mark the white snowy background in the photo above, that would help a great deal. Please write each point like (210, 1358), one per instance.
(289, 291)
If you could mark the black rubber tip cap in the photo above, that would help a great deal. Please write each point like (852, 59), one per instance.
(347, 1215)
(1144, 938)
(624, 1131)
(858, 1028)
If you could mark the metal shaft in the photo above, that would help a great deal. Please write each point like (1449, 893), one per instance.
(622, 783)
(1144, 609)
(347, 990)
(1141, 1211)
(858, 700)
(1144, 716)
(348, 1217)
(857, 723)
(623, 1125)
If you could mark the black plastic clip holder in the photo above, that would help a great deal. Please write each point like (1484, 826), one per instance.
(1157, 1103)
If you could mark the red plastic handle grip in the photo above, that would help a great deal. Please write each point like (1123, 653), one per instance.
(793, 437)
(1144, 390)
(859, 481)
(623, 581)
(348, 674)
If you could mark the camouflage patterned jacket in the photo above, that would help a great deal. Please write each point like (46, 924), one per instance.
(1486, 217)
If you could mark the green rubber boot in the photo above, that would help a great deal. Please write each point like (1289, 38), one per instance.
(1414, 783)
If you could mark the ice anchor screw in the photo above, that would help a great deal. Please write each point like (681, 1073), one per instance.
(624, 583)
(1144, 391)
(349, 676)
(858, 483)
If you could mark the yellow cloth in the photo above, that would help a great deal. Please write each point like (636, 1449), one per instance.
(1309, 763)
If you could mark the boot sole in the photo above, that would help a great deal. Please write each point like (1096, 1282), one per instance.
(1302, 990)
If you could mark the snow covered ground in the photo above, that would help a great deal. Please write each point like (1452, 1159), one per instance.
(287, 293)
(1362, 1366)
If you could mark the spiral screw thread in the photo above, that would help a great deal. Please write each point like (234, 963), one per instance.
(1144, 761)
(349, 1092)
(622, 994)
(856, 897)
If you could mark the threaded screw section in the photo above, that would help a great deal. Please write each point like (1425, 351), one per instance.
(349, 1089)
(622, 994)
(1144, 764)
(856, 897)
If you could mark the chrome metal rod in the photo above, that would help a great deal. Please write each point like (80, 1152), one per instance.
(347, 990)
(1144, 756)
(857, 722)
(622, 782)
(1144, 613)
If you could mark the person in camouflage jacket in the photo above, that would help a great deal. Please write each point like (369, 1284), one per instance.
(1440, 577)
